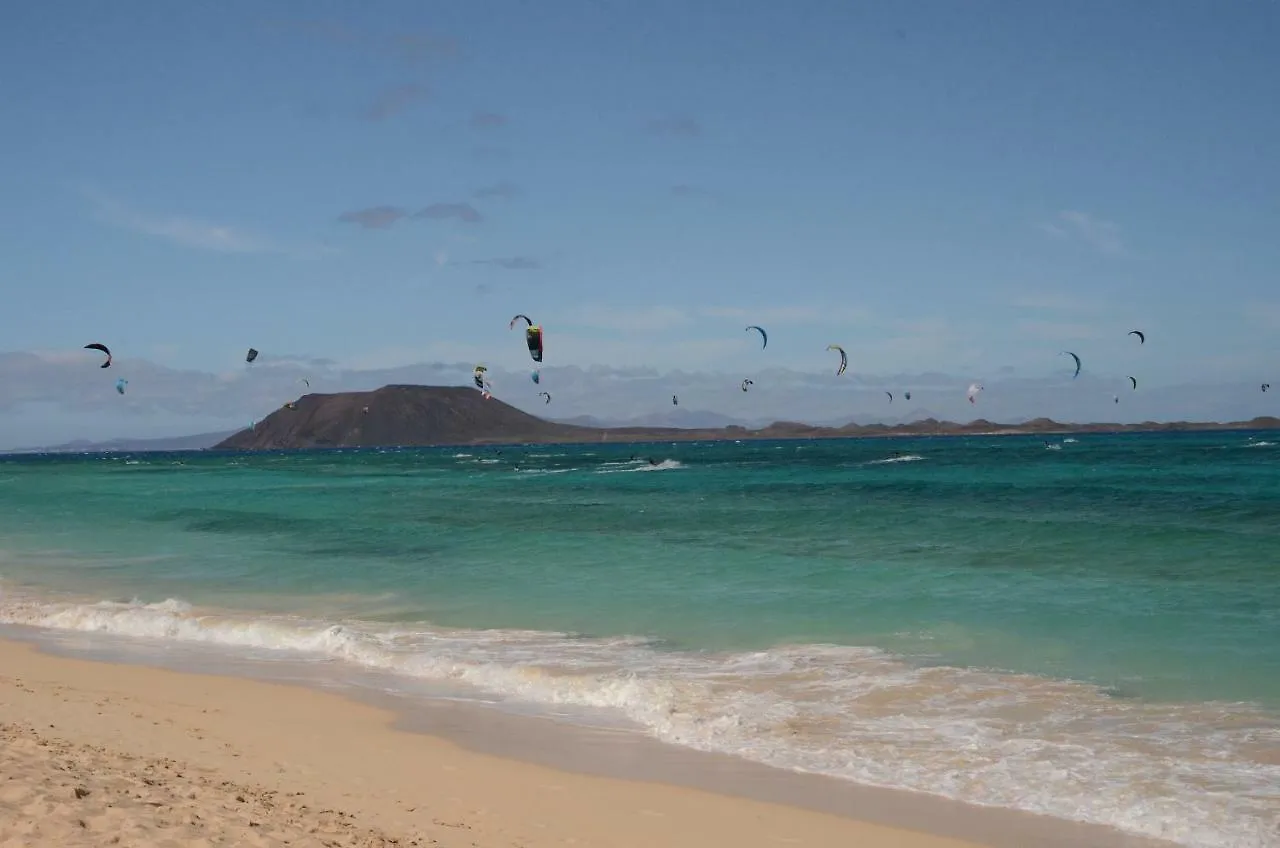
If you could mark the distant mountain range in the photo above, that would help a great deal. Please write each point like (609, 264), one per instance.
(405, 415)
(200, 441)
(675, 418)
(702, 419)
(438, 415)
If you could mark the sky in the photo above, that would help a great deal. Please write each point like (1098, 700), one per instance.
(954, 192)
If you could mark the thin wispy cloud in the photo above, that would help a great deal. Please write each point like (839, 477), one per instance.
(690, 192)
(444, 211)
(490, 153)
(1052, 301)
(488, 120)
(421, 47)
(503, 191)
(916, 344)
(1264, 314)
(511, 263)
(640, 319)
(1103, 236)
(375, 217)
(783, 315)
(321, 30)
(385, 216)
(1059, 331)
(395, 100)
(681, 126)
(187, 232)
(610, 374)
(410, 47)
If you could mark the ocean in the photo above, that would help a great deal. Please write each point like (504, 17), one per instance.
(1087, 628)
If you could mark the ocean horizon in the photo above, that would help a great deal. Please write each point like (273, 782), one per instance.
(1084, 627)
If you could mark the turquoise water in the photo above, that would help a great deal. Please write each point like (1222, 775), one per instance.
(1091, 630)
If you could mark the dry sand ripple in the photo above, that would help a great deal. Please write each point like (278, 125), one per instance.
(57, 793)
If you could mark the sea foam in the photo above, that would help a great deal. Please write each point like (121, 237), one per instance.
(1196, 774)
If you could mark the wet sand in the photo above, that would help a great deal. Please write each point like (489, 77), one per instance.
(100, 753)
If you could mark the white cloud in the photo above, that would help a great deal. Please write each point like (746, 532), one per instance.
(1103, 236)
(629, 351)
(784, 315)
(1053, 301)
(192, 232)
(651, 319)
(640, 319)
(1057, 330)
(398, 356)
(931, 327)
(659, 318)
(914, 344)
(612, 350)
(67, 393)
(64, 357)
(1264, 314)
(164, 351)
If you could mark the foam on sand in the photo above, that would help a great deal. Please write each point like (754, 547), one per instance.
(1196, 774)
(92, 751)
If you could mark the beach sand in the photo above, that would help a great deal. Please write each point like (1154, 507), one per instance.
(96, 753)
(102, 754)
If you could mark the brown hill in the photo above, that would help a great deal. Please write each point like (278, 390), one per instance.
(441, 415)
(418, 415)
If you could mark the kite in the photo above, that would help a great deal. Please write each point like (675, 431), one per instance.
(100, 346)
(532, 336)
(844, 358)
(1077, 359)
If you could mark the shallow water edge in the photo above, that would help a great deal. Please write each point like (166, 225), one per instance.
(619, 752)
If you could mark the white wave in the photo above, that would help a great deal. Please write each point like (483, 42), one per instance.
(664, 465)
(642, 465)
(1260, 445)
(1195, 774)
(887, 460)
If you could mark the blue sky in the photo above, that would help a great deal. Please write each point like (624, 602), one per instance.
(955, 188)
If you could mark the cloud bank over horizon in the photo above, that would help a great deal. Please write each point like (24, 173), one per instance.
(47, 398)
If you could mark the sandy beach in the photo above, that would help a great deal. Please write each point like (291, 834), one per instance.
(99, 754)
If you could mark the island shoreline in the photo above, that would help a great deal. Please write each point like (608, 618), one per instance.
(451, 416)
